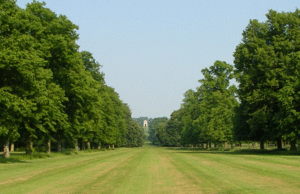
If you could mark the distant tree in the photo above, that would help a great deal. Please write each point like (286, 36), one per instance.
(206, 114)
(188, 110)
(168, 133)
(135, 133)
(174, 127)
(154, 129)
(141, 120)
(217, 102)
(136, 136)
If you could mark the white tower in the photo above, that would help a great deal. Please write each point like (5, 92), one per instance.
(145, 123)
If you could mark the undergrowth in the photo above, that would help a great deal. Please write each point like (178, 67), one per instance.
(22, 157)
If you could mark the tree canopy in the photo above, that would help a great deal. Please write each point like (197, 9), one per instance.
(50, 91)
(267, 67)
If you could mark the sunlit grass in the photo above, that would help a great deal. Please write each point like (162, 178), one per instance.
(154, 169)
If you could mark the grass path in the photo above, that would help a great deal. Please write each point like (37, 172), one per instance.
(153, 170)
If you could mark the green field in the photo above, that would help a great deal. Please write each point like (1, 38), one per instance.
(154, 170)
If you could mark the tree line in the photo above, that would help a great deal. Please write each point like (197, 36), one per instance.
(266, 104)
(52, 92)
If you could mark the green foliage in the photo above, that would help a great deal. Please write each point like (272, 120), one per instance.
(267, 66)
(136, 135)
(166, 132)
(92, 66)
(217, 103)
(49, 91)
(173, 129)
(157, 129)
(188, 114)
(207, 114)
(30, 100)
(141, 120)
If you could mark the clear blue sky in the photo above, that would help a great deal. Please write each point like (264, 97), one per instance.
(153, 51)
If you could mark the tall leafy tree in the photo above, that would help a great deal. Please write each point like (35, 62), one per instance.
(174, 127)
(92, 66)
(206, 114)
(69, 71)
(216, 103)
(267, 64)
(32, 100)
(189, 113)
(49, 91)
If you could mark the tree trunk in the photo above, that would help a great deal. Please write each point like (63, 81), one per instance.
(76, 145)
(99, 146)
(49, 146)
(225, 145)
(6, 150)
(293, 145)
(262, 145)
(231, 145)
(206, 145)
(113, 146)
(215, 145)
(59, 146)
(83, 145)
(209, 144)
(88, 145)
(279, 144)
(29, 146)
(12, 147)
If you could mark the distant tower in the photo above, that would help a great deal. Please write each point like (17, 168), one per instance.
(145, 127)
(145, 123)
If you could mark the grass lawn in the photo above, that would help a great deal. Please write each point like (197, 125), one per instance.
(155, 170)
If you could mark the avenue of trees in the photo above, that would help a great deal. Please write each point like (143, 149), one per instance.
(266, 104)
(50, 92)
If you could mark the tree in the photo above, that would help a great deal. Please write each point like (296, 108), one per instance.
(267, 65)
(174, 127)
(92, 66)
(189, 113)
(49, 91)
(29, 97)
(135, 135)
(141, 120)
(69, 72)
(206, 114)
(217, 101)
(154, 129)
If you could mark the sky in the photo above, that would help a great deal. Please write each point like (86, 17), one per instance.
(153, 51)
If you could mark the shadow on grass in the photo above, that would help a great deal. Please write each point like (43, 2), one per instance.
(11, 160)
(283, 152)
(21, 157)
